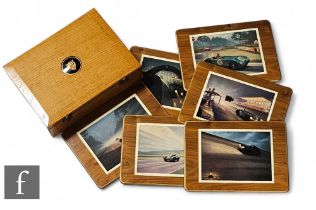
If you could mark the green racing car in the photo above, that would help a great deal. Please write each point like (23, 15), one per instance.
(231, 62)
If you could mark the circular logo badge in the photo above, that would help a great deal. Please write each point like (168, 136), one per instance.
(71, 65)
(219, 62)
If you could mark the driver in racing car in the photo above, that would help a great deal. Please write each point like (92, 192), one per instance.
(218, 56)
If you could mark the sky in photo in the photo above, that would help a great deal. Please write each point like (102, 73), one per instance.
(259, 139)
(160, 137)
(235, 89)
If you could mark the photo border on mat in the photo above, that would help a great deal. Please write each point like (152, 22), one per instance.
(136, 151)
(236, 80)
(230, 31)
(234, 130)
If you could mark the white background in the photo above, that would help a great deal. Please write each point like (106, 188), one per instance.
(65, 183)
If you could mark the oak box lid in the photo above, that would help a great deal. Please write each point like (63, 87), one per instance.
(99, 60)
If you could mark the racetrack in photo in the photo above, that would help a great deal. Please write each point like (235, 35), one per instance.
(154, 163)
(238, 50)
(224, 99)
(160, 150)
(235, 156)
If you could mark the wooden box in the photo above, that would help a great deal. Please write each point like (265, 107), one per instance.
(218, 94)
(152, 151)
(74, 71)
(163, 76)
(246, 47)
(236, 156)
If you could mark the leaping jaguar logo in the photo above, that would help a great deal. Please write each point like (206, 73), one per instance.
(71, 65)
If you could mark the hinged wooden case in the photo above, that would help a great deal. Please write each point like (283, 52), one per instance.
(74, 71)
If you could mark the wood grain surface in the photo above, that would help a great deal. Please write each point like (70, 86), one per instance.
(281, 180)
(138, 52)
(105, 61)
(266, 38)
(199, 79)
(81, 151)
(128, 153)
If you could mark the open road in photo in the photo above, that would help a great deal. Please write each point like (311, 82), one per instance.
(158, 165)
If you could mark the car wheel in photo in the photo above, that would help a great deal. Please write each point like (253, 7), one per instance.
(233, 65)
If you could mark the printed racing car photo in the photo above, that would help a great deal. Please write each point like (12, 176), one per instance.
(231, 62)
(247, 116)
(171, 158)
